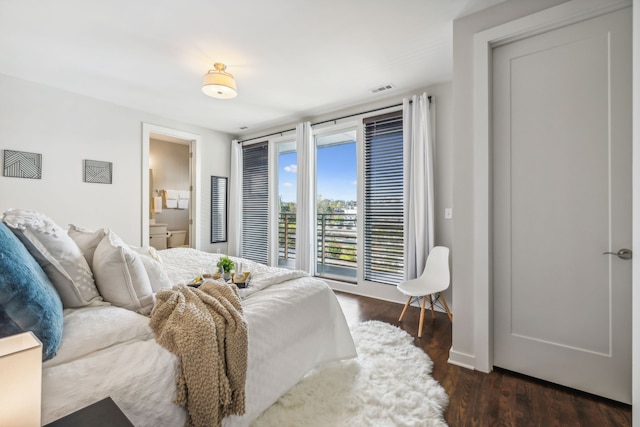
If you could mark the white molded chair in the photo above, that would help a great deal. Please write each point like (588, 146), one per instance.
(434, 280)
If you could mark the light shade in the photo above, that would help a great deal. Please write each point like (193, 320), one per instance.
(218, 83)
(21, 373)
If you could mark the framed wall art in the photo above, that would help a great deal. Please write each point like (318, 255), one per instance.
(20, 164)
(97, 172)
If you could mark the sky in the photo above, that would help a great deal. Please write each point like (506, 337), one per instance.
(336, 168)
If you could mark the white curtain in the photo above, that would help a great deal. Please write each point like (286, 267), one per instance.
(235, 200)
(305, 205)
(418, 184)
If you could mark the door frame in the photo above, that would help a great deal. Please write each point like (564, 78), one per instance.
(549, 19)
(194, 169)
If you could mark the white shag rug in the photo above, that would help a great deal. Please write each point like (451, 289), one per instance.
(388, 385)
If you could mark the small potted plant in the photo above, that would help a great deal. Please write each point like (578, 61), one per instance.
(225, 265)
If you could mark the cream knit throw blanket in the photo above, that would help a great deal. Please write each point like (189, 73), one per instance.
(204, 326)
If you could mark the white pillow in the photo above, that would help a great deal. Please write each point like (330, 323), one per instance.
(155, 270)
(90, 329)
(86, 240)
(121, 276)
(57, 254)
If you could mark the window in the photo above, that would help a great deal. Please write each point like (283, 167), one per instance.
(255, 203)
(287, 197)
(359, 201)
(383, 194)
(336, 205)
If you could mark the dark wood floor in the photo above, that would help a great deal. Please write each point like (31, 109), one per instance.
(500, 398)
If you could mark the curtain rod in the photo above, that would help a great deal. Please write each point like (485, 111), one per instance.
(329, 121)
(264, 136)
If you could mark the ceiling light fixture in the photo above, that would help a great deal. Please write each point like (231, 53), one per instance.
(218, 83)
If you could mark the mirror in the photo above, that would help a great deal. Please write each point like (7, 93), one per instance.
(219, 190)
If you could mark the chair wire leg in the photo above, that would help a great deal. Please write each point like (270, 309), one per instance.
(433, 314)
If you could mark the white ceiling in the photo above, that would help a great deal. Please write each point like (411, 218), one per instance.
(291, 58)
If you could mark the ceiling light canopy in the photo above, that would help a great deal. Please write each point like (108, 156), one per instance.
(218, 83)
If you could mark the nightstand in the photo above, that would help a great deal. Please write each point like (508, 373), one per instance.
(104, 413)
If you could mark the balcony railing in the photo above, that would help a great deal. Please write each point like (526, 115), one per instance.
(287, 238)
(337, 243)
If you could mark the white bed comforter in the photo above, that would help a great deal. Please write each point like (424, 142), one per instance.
(184, 264)
(293, 326)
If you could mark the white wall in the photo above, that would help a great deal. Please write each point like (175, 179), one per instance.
(67, 128)
(443, 176)
(464, 29)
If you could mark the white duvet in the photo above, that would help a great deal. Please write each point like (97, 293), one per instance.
(293, 327)
(184, 264)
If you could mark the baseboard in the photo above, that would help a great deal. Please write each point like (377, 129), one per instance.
(352, 288)
(462, 359)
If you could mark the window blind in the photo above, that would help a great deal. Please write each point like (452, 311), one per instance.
(255, 202)
(383, 199)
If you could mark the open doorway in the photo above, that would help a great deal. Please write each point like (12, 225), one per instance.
(169, 191)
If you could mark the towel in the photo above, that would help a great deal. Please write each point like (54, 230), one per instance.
(183, 204)
(183, 194)
(157, 204)
(171, 194)
(172, 203)
(205, 327)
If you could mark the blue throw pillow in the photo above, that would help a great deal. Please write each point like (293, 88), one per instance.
(28, 300)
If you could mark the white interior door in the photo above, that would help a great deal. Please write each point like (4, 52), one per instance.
(562, 197)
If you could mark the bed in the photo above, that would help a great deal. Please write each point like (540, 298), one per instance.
(294, 324)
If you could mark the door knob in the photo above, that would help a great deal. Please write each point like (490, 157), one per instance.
(622, 253)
